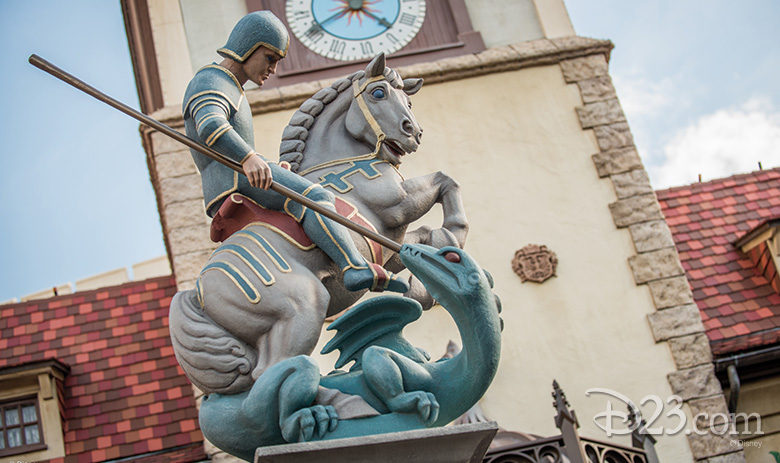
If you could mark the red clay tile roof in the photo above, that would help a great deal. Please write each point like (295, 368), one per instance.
(125, 395)
(739, 307)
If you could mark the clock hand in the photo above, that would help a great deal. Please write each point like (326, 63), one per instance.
(318, 25)
(382, 21)
(332, 17)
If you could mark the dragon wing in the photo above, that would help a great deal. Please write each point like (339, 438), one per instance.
(378, 321)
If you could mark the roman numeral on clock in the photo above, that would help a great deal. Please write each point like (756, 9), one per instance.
(314, 33)
(407, 19)
(338, 46)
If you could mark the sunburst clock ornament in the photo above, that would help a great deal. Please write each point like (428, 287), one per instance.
(350, 30)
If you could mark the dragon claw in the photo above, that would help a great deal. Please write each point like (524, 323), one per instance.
(305, 424)
(434, 409)
(420, 402)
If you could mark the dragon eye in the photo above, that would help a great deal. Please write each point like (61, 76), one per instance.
(453, 257)
(378, 93)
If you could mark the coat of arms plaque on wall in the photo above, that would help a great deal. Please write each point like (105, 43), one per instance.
(534, 262)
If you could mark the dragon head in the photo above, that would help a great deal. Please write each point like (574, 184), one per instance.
(452, 277)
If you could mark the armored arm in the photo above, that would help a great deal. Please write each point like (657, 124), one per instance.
(210, 113)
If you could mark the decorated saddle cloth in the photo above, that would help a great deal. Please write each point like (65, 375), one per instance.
(239, 211)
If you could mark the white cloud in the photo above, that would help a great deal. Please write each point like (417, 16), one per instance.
(641, 97)
(725, 143)
(648, 105)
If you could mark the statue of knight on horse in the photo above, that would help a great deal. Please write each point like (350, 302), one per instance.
(282, 268)
(244, 334)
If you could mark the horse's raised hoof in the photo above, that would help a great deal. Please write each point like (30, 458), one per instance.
(374, 278)
(309, 423)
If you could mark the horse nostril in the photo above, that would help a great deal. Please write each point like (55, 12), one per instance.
(407, 128)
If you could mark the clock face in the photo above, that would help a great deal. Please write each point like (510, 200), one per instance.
(348, 30)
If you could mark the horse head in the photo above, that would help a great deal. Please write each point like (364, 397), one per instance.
(380, 114)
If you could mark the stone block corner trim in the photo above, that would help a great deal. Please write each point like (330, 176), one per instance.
(636, 209)
(656, 265)
(675, 322)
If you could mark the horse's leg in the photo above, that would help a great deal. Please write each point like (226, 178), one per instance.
(301, 302)
(284, 369)
(421, 194)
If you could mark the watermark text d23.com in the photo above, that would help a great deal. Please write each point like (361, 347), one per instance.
(702, 423)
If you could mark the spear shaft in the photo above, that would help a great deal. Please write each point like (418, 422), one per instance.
(79, 84)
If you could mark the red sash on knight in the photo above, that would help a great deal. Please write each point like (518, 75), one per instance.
(238, 211)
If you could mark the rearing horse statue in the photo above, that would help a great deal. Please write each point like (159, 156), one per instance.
(265, 292)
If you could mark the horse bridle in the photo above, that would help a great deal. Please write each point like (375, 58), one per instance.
(358, 92)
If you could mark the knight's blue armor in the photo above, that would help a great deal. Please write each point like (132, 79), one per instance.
(217, 114)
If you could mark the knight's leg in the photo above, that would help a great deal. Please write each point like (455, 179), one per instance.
(334, 239)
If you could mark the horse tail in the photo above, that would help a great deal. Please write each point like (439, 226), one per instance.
(213, 359)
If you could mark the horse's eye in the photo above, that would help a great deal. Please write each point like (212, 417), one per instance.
(378, 93)
(453, 257)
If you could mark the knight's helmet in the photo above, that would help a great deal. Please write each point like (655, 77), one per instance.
(259, 28)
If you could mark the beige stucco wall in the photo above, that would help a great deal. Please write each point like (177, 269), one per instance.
(554, 18)
(170, 44)
(207, 25)
(502, 22)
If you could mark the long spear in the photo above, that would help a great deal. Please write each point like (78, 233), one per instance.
(79, 84)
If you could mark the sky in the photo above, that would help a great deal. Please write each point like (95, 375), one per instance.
(77, 196)
(697, 79)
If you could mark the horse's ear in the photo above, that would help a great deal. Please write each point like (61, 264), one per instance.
(412, 86)
(376, 67)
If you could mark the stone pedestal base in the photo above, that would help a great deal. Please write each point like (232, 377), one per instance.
(453, 444)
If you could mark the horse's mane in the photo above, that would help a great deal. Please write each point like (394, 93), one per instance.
(294, 136)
